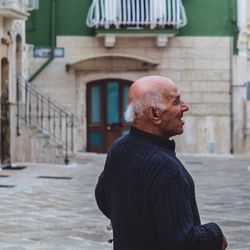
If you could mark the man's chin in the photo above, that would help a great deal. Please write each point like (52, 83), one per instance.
(181, 132)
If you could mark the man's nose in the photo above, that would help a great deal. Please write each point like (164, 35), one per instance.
(185, 107)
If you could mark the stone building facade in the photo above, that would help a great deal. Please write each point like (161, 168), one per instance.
(199, 66)
(198, 61)
(92, 68)
(13, 73)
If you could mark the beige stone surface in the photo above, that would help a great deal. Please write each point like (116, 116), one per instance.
(201, 131)
(204, 109)
(216, 98)
(210, 86)
(205, 75)
(199, 66)
(13, 50)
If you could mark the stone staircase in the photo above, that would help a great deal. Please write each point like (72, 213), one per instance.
(46, 129)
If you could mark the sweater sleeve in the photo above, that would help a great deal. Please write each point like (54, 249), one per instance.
(100, 195)
(175, 222)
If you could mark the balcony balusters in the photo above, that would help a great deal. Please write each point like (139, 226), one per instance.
(136, 13)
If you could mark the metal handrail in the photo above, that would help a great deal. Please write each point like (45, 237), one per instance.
(42, 112)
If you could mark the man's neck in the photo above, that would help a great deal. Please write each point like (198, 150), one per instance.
(148, 128)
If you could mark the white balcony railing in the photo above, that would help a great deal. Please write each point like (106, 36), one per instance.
(136, 13)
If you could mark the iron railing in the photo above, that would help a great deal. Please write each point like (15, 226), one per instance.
(136, 13)
(50, 118)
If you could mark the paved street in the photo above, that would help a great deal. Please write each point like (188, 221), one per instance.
(52, 207)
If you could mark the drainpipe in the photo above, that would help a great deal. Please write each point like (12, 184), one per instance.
(231, 47)
(53, 41)
(232, 19)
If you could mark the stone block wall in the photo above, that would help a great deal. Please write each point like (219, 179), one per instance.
(200, 66)
(13, 52)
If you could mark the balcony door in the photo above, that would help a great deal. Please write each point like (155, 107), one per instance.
(106, 103)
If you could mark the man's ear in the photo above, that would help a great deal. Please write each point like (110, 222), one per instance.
(154, 115)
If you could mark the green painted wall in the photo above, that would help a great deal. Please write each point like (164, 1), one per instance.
(38, 25)
(205, 18)
(70, 20)
(209, 17)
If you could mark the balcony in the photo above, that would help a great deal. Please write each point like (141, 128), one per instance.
(136, 17)
(15, 9)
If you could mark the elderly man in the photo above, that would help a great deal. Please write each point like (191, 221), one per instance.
(144, 189)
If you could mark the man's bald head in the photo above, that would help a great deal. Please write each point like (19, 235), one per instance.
(148, 91)
(147, 84)
(155, 106)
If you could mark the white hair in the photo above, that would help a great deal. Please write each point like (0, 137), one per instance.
(137, 108)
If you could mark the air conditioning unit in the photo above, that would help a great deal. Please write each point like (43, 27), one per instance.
(32, 5)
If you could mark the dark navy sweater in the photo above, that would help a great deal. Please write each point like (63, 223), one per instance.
(149, 197)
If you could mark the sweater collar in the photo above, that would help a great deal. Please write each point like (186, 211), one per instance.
(152, 138)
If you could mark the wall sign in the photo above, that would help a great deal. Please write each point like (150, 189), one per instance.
(45, 52)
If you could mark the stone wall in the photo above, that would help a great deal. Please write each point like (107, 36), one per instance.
(200, 66)
(13, 51)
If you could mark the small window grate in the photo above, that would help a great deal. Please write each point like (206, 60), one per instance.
(55, 177)
(194, 162)
(7, 186)
(10, 167)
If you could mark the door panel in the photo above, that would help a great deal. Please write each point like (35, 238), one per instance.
(106, 103)
(112, 103)
(96, 139)
(95, 104)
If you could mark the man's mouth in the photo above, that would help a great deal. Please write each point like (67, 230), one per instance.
(181, 120)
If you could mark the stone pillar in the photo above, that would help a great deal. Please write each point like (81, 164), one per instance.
(241, 81)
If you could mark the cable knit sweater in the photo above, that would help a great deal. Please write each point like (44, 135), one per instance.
(149, 197)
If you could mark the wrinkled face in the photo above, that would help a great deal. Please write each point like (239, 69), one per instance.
(172, 122)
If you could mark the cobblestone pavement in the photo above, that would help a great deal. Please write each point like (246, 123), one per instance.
(52, 213)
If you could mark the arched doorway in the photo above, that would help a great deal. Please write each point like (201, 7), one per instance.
(106, 103)
(5, 113)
